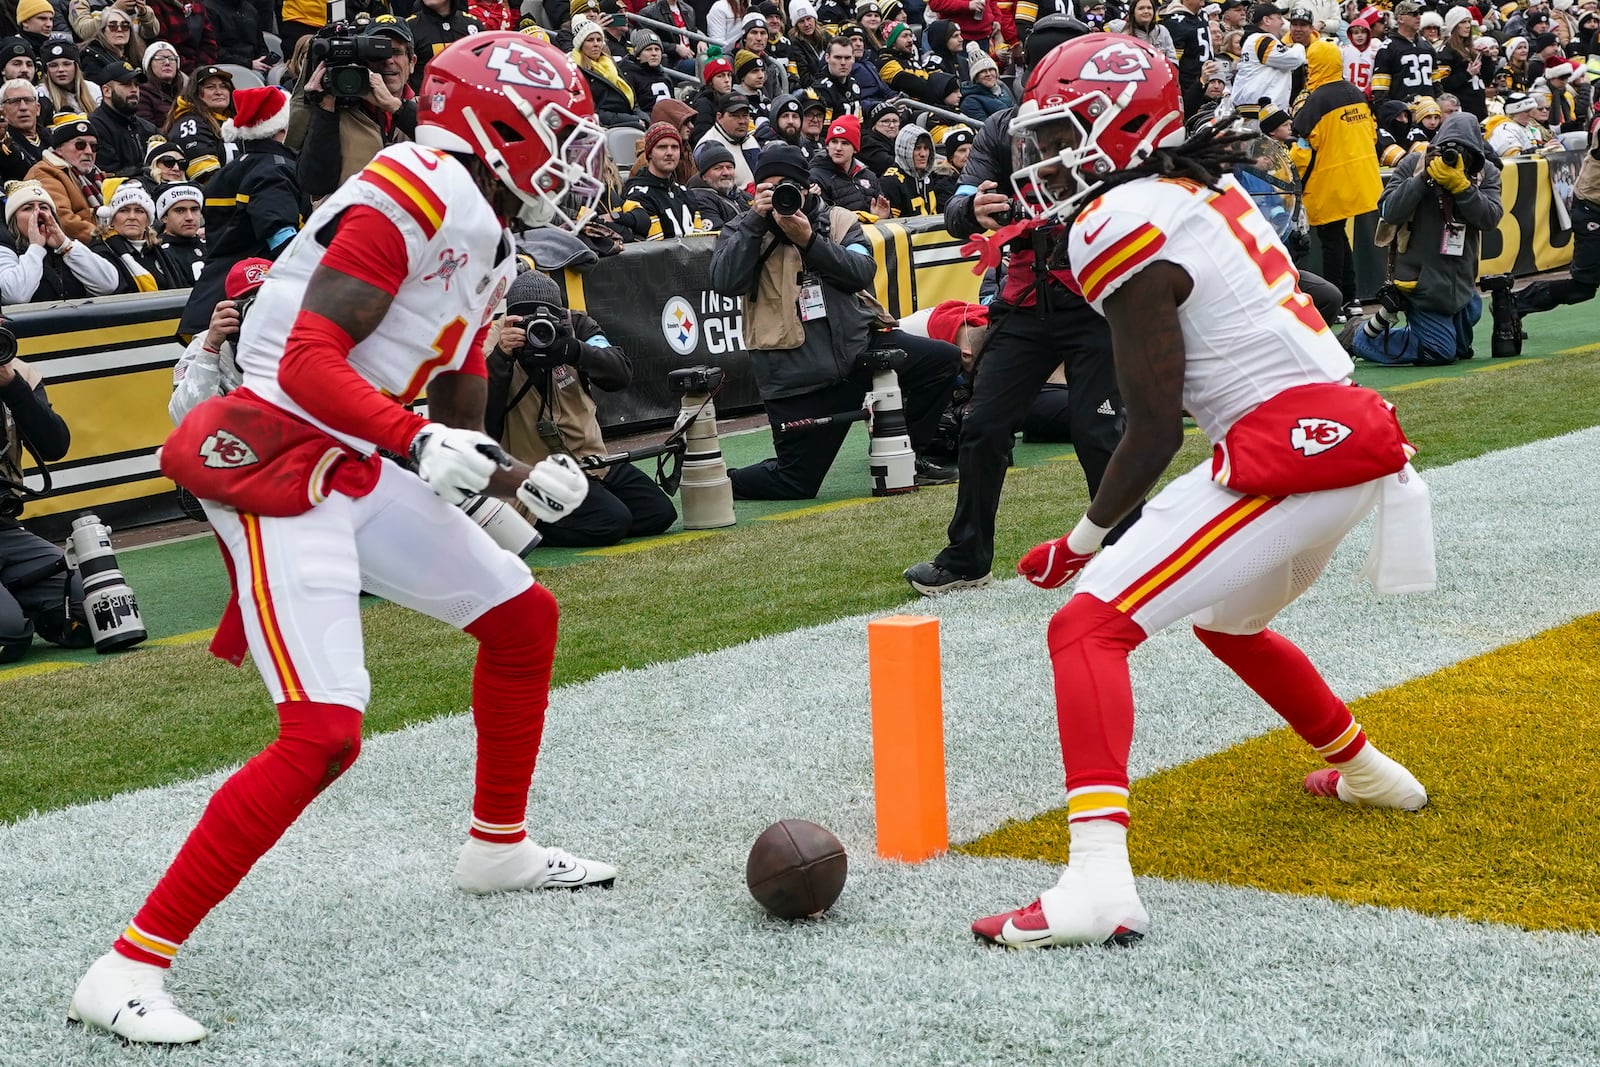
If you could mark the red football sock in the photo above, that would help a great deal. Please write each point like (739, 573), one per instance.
(316, 743)
(1089, 646)
(1280, 674)
(510, 691)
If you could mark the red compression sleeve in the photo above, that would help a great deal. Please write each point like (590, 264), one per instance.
(476, 363)
(368, 247)
(317, 375)
(316, 371)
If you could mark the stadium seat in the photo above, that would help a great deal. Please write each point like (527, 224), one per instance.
(274, 45)
(622, 144)
(275, 75)
(243, 77)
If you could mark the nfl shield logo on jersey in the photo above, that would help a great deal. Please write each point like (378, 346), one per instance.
(1313, 436)
(224, 450)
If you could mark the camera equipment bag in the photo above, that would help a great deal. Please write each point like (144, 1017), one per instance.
(255, 457)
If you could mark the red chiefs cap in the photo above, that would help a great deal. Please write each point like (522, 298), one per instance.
(246, 277)
(846, 127)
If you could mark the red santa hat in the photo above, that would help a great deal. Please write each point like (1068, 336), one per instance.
(258, 113)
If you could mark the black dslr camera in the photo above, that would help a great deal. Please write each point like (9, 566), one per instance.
(545, 326)
(788, 197)
(345, 57)
(882, 359)
(8, 348)
(694, 380)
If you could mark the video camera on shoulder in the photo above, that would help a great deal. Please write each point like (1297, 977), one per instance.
(346, 57)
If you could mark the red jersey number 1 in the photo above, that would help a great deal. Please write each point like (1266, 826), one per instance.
(1234, 207)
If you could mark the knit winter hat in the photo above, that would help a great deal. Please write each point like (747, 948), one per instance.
(19, 193)
(173, 195)
(1424, 106)
(1517, 103)
(802, 9)
(710, 154)
(27, 9)
(1270, 116)
(258, 113)
(1433, 19)
(658, 132)
(128, 193)
(780, 160)
(156, 49)
(1455, 17)
(67, 128)
(582, 29)
(643, 38)
(713, 67)
(845, 127)
(981, 62)
(894, 33)
(955, 139)
(743, 63)
(159, 146)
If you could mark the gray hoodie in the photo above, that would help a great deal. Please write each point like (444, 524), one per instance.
(1432, 281)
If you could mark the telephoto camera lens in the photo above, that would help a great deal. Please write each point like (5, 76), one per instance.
(8, 346)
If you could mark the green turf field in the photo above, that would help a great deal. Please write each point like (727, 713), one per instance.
(169, 710)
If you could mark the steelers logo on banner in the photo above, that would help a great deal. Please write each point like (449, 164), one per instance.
(679, 326)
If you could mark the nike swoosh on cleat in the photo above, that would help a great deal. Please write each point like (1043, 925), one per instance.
(1011, 936)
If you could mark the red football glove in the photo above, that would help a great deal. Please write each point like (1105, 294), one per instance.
(1052, 564)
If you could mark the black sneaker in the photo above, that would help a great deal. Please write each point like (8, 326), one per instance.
(930, 473)
(930, 579)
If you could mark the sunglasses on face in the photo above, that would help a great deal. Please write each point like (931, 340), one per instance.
(170, 161)
(82, 144)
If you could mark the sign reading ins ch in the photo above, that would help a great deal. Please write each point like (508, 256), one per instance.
(717, 323)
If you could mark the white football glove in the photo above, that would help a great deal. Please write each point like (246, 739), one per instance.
(554, 488)
(456, 463)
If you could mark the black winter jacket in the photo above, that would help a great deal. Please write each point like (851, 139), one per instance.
(833, 343)
(237, 26)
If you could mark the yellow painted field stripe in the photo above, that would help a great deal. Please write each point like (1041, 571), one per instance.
(817, 509)
(647, 545)
(1504, 743)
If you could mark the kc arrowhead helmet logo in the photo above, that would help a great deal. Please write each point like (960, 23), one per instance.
(1117, 62)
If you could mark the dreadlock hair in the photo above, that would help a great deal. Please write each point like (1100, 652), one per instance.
(1213, 151)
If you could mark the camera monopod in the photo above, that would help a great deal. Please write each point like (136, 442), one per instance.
(694, 451)
(890, 460)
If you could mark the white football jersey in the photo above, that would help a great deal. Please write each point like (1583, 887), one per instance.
(459, 262)
(1249, 332)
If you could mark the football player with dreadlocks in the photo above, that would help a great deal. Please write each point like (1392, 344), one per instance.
(1206, 317)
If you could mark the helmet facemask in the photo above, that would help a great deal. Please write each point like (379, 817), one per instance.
(1037, 160)
(569, 183)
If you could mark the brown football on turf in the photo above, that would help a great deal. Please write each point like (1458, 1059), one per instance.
(796, 869)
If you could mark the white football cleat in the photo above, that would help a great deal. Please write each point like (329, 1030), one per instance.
(485, 867)
(1080, 909)
(129, 999)
(1371, 780)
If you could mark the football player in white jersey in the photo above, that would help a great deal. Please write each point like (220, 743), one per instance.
(1206, 317)
(387, 291)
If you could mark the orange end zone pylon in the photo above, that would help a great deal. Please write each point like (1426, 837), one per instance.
(907, 737)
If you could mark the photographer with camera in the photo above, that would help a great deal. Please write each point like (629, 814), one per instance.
(1433, 212)
(38, 594)
(544, 361)
(357, 101)
(801, 267)
(207, 367)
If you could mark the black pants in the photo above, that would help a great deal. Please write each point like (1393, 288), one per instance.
(1584, 278)
(1023, 347)
(1324, 295)
(1049, 416)
(1338, 263)
(803, 458)
(625, 503)
(37, 595)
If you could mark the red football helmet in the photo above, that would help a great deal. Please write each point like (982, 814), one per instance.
(520, 106)
(1094, 105)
